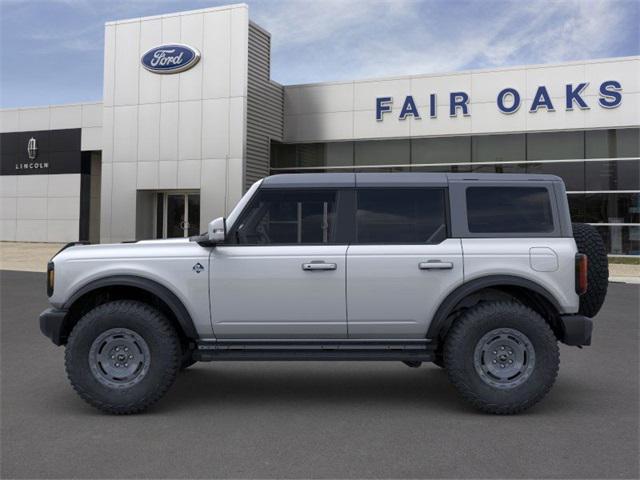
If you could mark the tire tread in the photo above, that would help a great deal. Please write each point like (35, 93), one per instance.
(163, 327)
(590, 243)
(454, 361)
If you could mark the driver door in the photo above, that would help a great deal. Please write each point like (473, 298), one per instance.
(281, 272)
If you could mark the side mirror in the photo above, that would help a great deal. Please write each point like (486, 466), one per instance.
(217, 230)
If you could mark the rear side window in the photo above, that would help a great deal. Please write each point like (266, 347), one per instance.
(396, 215)
(509, 210)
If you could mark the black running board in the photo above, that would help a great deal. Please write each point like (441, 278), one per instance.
(313, 350)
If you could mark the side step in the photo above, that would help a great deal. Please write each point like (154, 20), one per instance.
(341, 350)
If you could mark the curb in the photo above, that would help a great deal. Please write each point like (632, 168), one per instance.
(632, 280)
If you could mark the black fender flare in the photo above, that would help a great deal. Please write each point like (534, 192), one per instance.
(440, 321)
(151, 286)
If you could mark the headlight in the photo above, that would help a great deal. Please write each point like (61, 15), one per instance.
(50, 278)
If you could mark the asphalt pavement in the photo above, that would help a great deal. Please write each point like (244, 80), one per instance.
(317, 420)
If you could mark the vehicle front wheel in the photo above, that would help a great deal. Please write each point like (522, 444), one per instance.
(187, 358)
(502, 357)
(122, 356)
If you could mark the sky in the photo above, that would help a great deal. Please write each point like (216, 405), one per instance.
(51, 51)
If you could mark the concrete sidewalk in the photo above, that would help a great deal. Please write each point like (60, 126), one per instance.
(27, 257)
(33, 257)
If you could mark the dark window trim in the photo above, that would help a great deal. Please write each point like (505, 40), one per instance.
(547, 233)
(459, 216)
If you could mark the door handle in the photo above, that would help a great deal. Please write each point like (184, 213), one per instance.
(435, 265)
(319, 266)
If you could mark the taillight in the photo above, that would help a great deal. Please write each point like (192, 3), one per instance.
(50, 278)
(581, 273)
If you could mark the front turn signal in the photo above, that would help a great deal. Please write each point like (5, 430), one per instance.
(51, 274)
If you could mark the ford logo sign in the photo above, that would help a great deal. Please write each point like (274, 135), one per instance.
(173, 58)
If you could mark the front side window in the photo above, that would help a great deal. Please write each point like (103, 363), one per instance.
(286, 217)
(509, 210)
(397, 215)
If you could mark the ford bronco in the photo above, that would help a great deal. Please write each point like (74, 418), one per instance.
(481, 274)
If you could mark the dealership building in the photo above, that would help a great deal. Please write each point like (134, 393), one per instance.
(190, 118)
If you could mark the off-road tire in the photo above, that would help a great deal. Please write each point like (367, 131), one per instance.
(590, 243)
(163, 347)
(186, 359)
(467, 332)
(438, 360)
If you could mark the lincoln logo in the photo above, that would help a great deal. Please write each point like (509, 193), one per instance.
(32, 149)
(173, 58)
(32, 154)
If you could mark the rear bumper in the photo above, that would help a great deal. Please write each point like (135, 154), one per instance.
(576, 330)
(52, 325)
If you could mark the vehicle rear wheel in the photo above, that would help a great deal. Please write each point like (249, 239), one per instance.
(502, 357)
(438, 360)
(589, 242)
(122, 356)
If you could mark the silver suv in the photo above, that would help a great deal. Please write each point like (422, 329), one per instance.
(480, 274)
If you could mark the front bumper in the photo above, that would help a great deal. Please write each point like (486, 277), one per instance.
(576, 330)
(52, 325)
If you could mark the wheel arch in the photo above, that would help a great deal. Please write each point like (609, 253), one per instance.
(526, 291)
(130, 287)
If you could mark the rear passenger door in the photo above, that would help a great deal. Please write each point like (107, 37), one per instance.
(401, 263)
(517, 229)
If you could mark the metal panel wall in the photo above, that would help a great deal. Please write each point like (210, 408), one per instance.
(265, 107)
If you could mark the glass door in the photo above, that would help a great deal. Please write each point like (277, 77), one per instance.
(178, 214)
(175, 216)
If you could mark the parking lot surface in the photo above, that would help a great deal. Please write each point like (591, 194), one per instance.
(317, 420)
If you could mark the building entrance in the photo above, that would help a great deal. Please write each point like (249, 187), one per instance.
(177, 214)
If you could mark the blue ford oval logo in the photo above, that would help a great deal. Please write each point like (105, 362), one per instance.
(172, 58)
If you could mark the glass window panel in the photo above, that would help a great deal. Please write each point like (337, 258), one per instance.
(612, 208)
(509, 210)
(159, 215)
(571, 172)
(382, 152)
(577, 207)
(175, 215)
(339, 154)
(395, 215)
(443, 168)
(381, 170)
(283, 155)
(499, 148)
(310, 155)
(441, 150)
(613, 175)
(288, 217)
(499, 168)
(555, 145)
(621, 240)
(194, 214)
(613, 143)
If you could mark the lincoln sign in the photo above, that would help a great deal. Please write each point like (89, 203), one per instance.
(508, 101)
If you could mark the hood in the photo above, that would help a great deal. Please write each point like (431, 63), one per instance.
(173, 247)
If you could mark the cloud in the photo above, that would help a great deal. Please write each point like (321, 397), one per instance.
(314, 41)
(321, 40)
(80, 40)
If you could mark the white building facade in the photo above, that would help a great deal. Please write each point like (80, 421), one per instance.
(166, 152)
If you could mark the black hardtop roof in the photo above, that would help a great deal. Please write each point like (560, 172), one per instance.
(398, 179)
